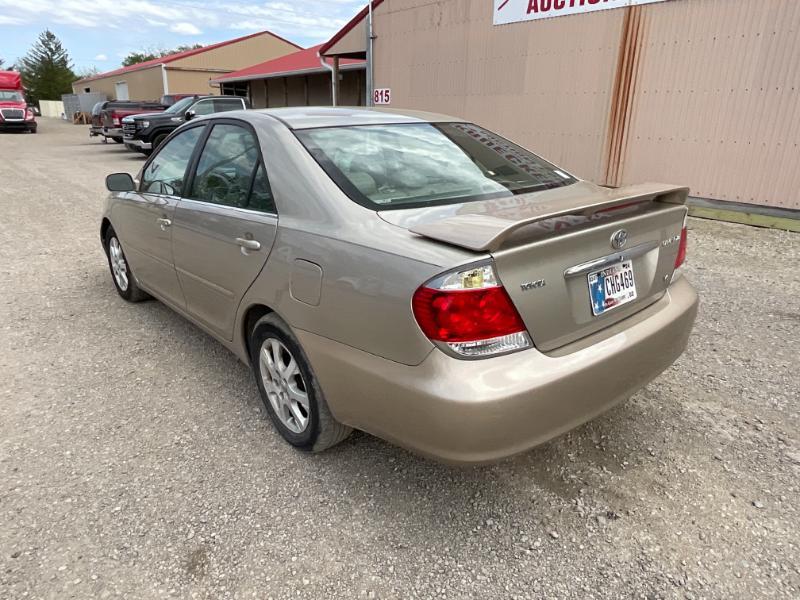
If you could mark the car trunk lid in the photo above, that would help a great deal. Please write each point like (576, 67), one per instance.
(547, 245)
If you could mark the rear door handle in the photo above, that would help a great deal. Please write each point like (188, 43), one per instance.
(164, 223)
(249, 244)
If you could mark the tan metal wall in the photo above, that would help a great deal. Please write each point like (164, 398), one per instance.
(695, 92)
(546, 85)
(717, 100)
(142, 85)
(192, 82)
(238, 55)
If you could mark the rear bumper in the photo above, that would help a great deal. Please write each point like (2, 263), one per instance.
(112, 132)
(137, 145)
(480, 411)
(94, 131)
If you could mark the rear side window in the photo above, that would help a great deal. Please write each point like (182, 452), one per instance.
(226, 104)
(165, 174)
(261, 195)
(230, 172)
(423, 164)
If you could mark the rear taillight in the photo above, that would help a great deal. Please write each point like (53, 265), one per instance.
(115, 118)
(681, 258)
(470, 313)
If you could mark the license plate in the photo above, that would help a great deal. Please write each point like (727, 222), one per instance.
(611, 287)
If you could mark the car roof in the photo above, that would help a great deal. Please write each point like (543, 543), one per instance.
(309, 117)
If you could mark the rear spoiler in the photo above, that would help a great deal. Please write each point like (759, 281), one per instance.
(486, 233)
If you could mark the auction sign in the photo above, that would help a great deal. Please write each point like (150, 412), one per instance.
(513, 11)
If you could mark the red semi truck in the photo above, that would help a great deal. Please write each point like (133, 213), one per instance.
(15, 114)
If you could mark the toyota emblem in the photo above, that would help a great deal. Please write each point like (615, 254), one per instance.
(619, 239)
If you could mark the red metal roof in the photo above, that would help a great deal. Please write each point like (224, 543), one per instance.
(349, 26)
(178, 55)
(304, 61)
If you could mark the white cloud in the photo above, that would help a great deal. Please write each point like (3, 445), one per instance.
(101, 57)
(310, 21)
(185, 29)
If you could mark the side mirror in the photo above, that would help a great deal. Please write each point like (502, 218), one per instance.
(120, 182)
(190, 114)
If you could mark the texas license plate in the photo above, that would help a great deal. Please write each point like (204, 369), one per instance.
(612, 287)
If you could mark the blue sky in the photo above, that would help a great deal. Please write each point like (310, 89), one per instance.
(100, 32)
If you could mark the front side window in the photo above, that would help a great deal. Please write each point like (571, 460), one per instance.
(180, 106)
(165, 174)
(204, 107)
(227, 169)
(409, 165)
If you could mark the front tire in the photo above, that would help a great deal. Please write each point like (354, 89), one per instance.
(158, 140)
(289, 390)
(121, 273)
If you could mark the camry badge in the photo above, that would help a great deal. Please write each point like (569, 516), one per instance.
(532, 285)
(619, 239)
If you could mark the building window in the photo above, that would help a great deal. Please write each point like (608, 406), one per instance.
(235, 89)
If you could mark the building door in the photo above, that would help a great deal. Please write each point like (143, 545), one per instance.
(121, 88)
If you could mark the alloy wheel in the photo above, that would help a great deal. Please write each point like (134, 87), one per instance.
(118, 265)
(284, 385)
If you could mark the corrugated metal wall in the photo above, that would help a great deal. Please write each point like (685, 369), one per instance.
(716, 103)
(695, 92)
(547, 85)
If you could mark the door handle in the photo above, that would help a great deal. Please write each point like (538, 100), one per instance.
(249, 244)
(164, 223)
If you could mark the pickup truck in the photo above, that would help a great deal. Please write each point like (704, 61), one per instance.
(111, 116)
(145, 132)
(15, 114)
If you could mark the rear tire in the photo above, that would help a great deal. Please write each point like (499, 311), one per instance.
(121, 272)
(289, 390)
(117, 140)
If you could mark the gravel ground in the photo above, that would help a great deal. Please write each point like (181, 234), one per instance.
(135, 462)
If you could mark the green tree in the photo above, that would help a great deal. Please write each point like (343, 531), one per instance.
(134, 58)
(46, 69)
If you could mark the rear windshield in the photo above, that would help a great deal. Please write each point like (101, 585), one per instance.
(423, 164)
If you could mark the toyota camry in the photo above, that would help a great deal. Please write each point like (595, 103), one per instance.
(407, 274)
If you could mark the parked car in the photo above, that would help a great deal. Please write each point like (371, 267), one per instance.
(427, 281)
(115, 111)
(15, 114)
(143, 133)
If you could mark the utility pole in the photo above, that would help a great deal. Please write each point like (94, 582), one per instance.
(370, 37)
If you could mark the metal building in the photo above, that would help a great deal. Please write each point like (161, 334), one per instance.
(186, 72)
(297, 79)
(697, 92)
